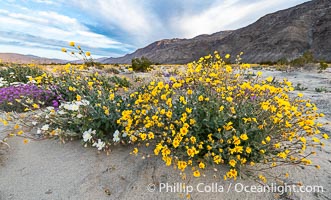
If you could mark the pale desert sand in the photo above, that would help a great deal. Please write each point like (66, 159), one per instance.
(49, 169)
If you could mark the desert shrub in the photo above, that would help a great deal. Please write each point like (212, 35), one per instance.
(90, 111)
(81, 117)
(323, 66)
(20, 73)
(211, 116)
(282, 61)
(98, 65)
(282, 68)
(88, 101)
(141, 64)
(306, 58)
(112, 70)
(299, 87)
(122, 82)
(321, 89)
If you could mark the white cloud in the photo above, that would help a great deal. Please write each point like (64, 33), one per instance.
(50, 2)
(54, 26)
(133, 17)
(225, 15)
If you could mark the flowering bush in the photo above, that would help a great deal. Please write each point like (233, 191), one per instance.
(89, 101)
(19, 73)
(24, 97)
(212, 115)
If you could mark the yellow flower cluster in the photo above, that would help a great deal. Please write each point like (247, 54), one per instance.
(212, 113)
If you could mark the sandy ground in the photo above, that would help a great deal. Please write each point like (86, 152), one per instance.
(50, 170)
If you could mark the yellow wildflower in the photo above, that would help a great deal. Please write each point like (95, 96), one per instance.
(135, 151)
(200, 98)
(244, 136)
(202, 165)
(196, 173)
(269, 79)
(232, 163)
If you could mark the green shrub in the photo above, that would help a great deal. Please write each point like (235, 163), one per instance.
(321, 89)
(98, 65)
(282, 61)
(20, 73)
(121, 82)
(306, 58)
(299, 88)
(323, 66)
(141, 65)
(112, 70)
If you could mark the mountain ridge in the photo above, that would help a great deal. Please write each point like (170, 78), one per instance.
(27, 59)
(283, 34)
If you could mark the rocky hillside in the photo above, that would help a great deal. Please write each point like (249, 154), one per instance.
(26, 59)
(283, 34)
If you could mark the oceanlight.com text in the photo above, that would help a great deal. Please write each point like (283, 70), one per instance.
(232, 187)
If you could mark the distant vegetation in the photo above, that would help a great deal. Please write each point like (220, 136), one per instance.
(142, 64)
(323, 66)
(306, 58)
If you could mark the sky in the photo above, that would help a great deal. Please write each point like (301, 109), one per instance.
(113, 28)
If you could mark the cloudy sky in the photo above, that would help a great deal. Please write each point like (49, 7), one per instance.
(117, 27)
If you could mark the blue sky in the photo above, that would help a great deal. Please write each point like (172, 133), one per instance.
(114, 28)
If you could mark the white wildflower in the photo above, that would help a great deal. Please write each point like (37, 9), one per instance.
(3, 82)
(61, 112)
(83, 103)
(116, 137)
(75, 107)
(100, 145)
(71, 107)
(87, 135)
(45, 127)
(50, 108)
(124, 134)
